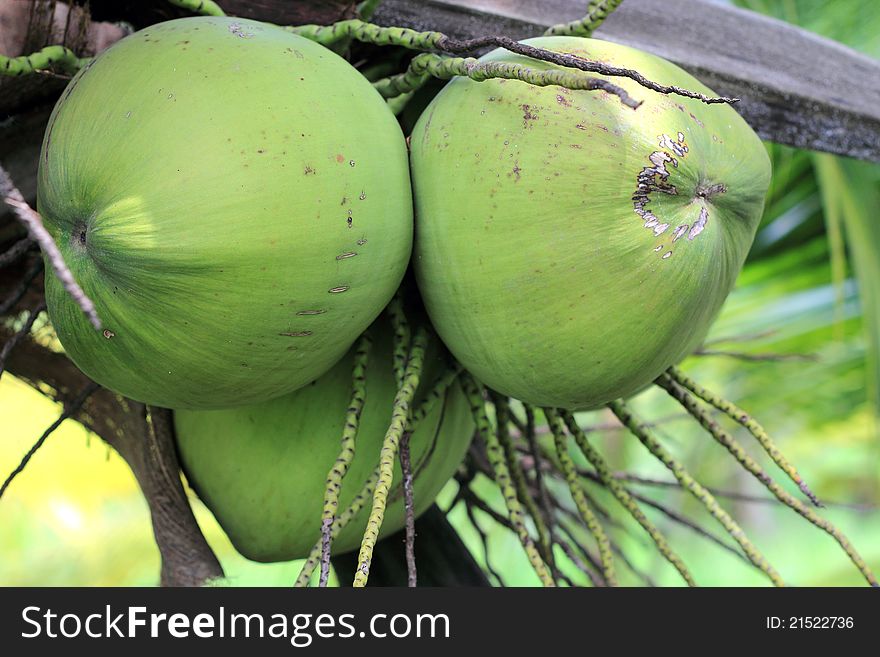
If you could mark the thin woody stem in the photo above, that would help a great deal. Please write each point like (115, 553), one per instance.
(736, 450)
(502, 419)
(580, 501)
(50, 57)
(621, 410)
(741, 417)
(388, 455)
(34, 224)
(624, 497)
(473, 393)
(425, 66)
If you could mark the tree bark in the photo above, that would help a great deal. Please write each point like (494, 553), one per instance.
(143, 436)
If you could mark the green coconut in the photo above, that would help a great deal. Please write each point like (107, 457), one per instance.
(262, 469)
(568, 248)
(236, 201)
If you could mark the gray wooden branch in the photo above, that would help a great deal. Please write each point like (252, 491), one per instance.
(796, 88)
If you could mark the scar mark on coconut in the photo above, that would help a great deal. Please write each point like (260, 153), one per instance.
(296, 334)
(308, 171)
(362, 241)
(311, 312)
(239, 31)
(363, 196)
(347, 254)
(562, 100)
(700, 226)
(338, 290)
(655, 178)
(109, 334)
(528, 115)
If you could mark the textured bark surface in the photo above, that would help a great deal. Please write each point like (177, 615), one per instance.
(284, 12)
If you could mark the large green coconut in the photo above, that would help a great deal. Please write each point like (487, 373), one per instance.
(569, 248)
(262, 469)
(236, 201)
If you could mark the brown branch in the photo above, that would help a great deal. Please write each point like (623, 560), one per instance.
(69, 410)
(10, 344)
(11, 255)
(144, 438)
(409, 505)
(484, 540)
(21, 287)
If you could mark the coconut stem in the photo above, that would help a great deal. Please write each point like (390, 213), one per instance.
(402, 344)
(402, 337)
(438, 391)
(427, 65)
(201, 7)
(623, 413)
(535, 452)
(388, 455)
(474, 393)
(346, 453)
(399, 103)
(328, 35)
(64, 59)
(502, 420)
(342, 520)
(367, 489)
(484, 539)
(736, 450)
(566, 464)
(742, 418)
(624, 497)
(597, 12)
